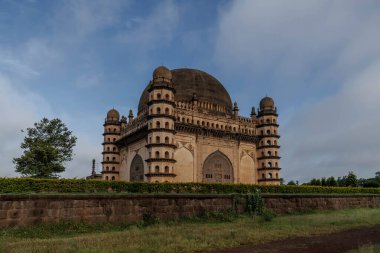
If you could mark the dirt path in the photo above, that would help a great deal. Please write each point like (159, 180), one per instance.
(327, 243)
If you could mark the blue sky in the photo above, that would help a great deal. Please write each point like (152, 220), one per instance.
(319, 60)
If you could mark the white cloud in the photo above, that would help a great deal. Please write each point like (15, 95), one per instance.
(18, 110)
(322, 59)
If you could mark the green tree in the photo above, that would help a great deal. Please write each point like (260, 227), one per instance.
(47, 146)
(377, 175)
(291, 182)
(351, 179)
(331, 181)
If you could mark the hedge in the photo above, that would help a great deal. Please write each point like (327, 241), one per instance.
(31, 185)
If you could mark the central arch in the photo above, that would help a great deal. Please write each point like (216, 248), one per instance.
(217, 168)
(137, 169)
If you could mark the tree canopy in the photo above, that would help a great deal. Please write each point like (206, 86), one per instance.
(47, 146)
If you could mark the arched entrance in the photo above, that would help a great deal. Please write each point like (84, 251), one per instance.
(217, 168)
(137, 169)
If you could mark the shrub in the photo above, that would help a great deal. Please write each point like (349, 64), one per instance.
(32, 185)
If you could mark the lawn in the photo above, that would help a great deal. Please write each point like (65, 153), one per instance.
(181, 236)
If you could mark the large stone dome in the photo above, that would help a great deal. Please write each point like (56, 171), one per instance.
(188, 82)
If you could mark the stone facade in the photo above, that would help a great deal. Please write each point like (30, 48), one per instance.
(25, 210)
(196, 137)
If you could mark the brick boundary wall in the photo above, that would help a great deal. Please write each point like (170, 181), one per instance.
(25, 210)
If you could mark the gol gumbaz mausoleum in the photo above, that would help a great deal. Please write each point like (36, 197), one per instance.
(188, 130)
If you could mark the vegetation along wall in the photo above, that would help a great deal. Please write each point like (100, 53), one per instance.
(24, 210)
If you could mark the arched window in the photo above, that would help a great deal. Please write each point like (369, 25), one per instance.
(158, 110)
(269, 153)
(167, 111)
(158, 95)
(270, 164)
(270, 175)
(113, 168)
(276, 164)
(167, 140)
(275, 142)
(158, 139)
(263, 175)
(157, 154)
(157, 169)
(113, 149)
(158, 124)
(113, 178)
(268, 131)
(167, 96)
(108, 148)
(276, 175)
(268, 120)
(106, 177)
(166, 154)
(166, 169)
(113, 159)
(166, 124)
(108, 158)
(114, 129)
(268, 142)
(107, 168)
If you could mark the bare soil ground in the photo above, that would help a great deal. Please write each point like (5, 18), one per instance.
(327, 243)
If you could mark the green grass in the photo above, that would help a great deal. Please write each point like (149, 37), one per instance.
(212, 232)
(368, 248)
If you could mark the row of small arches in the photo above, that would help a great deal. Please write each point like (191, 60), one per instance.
(268, 132)
(204, 105)
(109, 139)
(158, 111)
(269, 153)
(110, 130)
(157, 155)
(159, 96)
(269, 176)
(113, 159)
(270, 165)
(113, 149)
(158, 125)
(214, 125)
(158, 140)
(157, 169)
(267, 121)
(268, 142)
(112, 178)
(112, 169)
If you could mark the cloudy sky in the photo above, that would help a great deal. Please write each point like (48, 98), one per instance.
(318, 59)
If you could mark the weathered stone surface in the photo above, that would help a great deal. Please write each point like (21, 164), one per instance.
(17, 210)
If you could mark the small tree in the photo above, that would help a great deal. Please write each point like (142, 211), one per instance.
(291, 182)
(351, 179)
(331, 181)
(47, 146)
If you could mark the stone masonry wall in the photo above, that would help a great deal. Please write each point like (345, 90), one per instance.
(25, 210)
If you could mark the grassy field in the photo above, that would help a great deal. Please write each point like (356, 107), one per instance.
(368, 248)
(181, 236)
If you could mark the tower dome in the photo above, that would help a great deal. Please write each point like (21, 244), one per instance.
(266, 102)
(113, 115)
(190, 82)
(162, 72)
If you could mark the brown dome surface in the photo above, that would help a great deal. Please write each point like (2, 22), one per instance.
(113, 115)
(266, 102)
(186, 82)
